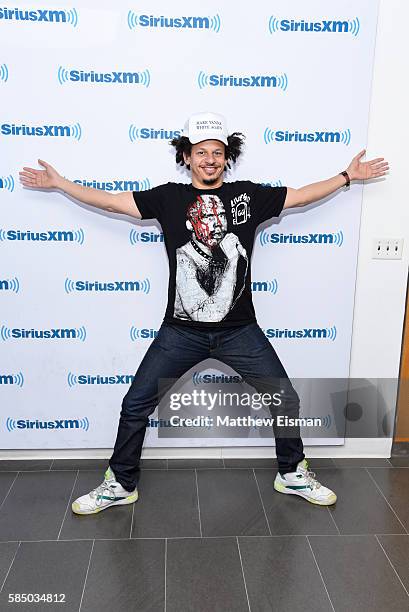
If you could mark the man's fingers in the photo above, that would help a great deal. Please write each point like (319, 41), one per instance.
(360, 154)
(27, 174)
(32, 170)
(43, 163)
(381, 166)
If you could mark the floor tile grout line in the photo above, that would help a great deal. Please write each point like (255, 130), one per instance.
(333, 520)
(403, 535)
(261, 499)
(320, 573)
(11, 564)
(242, 571)
(133, 512)
(166, 556)
(283, 535)
(86, 575)
(198, 505)
(8, 492)
(68, 503)
(249, 467)
(390, 506)
(391, 564)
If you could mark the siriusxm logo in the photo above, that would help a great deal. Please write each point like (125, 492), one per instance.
(47, 236)
(99, 379)
(7, 182)
(343, 137)
(116, 185)
(252, 80)
(12, 379)
(69, 16)
(10, 284)
(55, 131)
(323, 333)
(198, 378)
(136, 237)
(347, 26)
(4, 73)
(82, 286)
(13, 424)
(270, 286)
(335, 238)
(179, 22)
(116, 77)
(145, 133)
(6, 333)
(142, 334)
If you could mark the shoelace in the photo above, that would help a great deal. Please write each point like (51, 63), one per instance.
(310, 478)
(100, 491)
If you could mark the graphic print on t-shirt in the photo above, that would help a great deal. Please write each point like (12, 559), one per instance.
(240, 209)
(211, 267)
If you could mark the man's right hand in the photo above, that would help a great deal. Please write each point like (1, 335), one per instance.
(40, 179)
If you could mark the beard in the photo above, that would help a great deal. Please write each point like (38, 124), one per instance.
(210, 181)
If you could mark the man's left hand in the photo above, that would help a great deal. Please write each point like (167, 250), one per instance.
(366, 170)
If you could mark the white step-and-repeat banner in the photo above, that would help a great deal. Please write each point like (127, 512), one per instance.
(97, 90)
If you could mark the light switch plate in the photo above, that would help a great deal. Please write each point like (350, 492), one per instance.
(387, 248)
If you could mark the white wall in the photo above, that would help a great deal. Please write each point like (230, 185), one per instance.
(381, 286)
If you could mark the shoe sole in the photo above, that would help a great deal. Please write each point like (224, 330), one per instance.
(282, 489)
(76, 508)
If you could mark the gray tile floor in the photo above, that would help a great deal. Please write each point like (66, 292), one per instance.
(206, 535)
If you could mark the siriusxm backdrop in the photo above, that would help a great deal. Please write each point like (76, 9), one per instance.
(98, 91)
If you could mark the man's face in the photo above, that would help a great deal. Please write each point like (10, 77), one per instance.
(207, 161)
(209, 220)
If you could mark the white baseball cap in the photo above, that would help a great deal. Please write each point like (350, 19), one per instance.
(206, 126)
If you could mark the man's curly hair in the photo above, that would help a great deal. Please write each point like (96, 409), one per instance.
(233, 149)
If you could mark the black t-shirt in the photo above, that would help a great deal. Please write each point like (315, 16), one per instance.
(209, 236)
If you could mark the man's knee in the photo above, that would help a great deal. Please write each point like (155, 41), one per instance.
(136, 405)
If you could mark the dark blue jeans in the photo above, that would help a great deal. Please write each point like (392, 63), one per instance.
(178, 348)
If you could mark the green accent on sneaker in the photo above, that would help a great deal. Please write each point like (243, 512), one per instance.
(110, 498)
(296, 487)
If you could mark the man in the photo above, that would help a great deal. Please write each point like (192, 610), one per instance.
(209, 226)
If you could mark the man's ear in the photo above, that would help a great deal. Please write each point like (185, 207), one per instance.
(189, 226)
(186, 159)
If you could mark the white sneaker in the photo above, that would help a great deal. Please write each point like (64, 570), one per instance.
(109, 493)
(302, 482)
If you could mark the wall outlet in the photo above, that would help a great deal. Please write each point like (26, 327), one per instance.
(387, 248)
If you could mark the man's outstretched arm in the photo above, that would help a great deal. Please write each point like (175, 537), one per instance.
(122, 203)
(356, 171)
